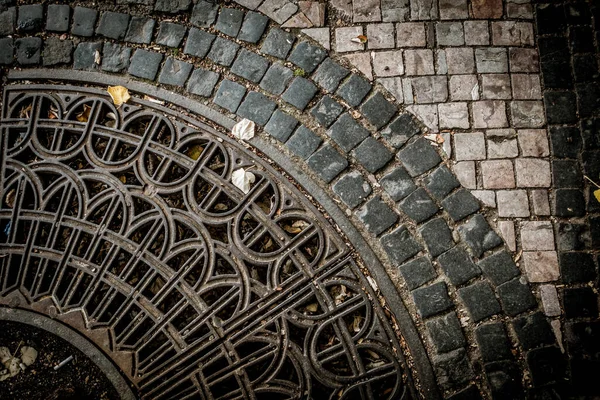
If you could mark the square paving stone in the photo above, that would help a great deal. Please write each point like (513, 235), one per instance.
(515, 296)
(458, 266)
(58, 17)
(223, 51)
(307, 56)
(257, 107)
(400, 245)
(204, 14)
(278, 43)
(565, 141)
(580, 303)
(460, 204)
(202, 82)
(493, 342)
(327, 162)
(504, 379)
(281, 125)
(533, 331)
(229, 21)
(303, 142)
(30, 18)
(115, 58)
(400, 130)
(28, 50)
(84, 56)
(326, 111)
(561, 107)
(84, 20)
(352, 188)
(170, 34)
(175, 72)
(378, 110)
(372, 154)
(253, 27)
(566, 173)
(140, 30)
(229, 96)
(145, 64)
(417, 272)
(398, 184)
(57, 51)
(547, 365)
(437, 236)
(250, 66)
(419, 157)
(577, 267)
(113, 25)
(453, 369)
(300, 92)
(329, 75)
(499, 267)
(172, 6)
(431, 300)
(6, 51)
(418, 206)
(441, 182)
(478, 235)
(276, 79)
(354, 90)
(377, 216)
(8, 21)
(347, 133)
(569, 203)
(480, 300)
(198, 43)
(445, 333)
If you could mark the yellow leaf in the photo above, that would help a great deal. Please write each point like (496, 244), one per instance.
(195, 151)
(292, 229)
(597, 195)
(84, 116)
(312, 307)
(119, 95)
(123, 178)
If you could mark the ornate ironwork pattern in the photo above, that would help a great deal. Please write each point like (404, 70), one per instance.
(130, 216)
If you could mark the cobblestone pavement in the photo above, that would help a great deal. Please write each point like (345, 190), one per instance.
(459, 137)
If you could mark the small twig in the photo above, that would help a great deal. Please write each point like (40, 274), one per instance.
(63, 362)
(18, 347)
(593, 183)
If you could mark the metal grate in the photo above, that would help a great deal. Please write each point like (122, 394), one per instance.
(130, 216)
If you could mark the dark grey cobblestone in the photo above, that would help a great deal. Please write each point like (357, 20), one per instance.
(493, 342)
(458, 266)
(354, 90)
(378, 111)
(115, 58)
(85, 55)
(577, 267)
(140, 30)
(533, 331)
(6, 51)
(499, 267)
(437, 236)
(202, 82)
(400, 130)
(230, 21)
(347, 133)
(198, 43)
(281, 125)
(478, 235)
(372, 155)
(172, 6)
(417, 272)
(170, 34)
(28, 50)
(253, 27)
(441, 182)
(418, 206)
(204, 14)
(377, 216)
(276, 79)
(461, 204)
(326, 111)
(453, 368)
(307, 56)
(329, 75)
(57, 51)
(278, 43)
(398, 184)
(223, 51)
(515, 296)
(58, 17)
(300, 92)
(547, 365)
(250, 66)
(113, 25)
(30, 18)
(144, 64)
(229, 96)
(327, 162)
(400, 246)
(352, 188)
(84, 20)
(431, 300)
(504, 378)
(257, 107)
(304, 142)
(480, 300)
(419, 157)
(445, 333)
(8, 21)
(175, 72)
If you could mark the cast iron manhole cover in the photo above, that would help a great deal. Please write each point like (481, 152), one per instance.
(128, 217)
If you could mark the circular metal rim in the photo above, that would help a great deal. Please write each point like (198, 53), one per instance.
(76, 339)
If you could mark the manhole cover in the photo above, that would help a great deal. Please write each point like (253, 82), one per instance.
(128, 217)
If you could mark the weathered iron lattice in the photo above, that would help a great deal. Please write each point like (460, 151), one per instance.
(129, 216)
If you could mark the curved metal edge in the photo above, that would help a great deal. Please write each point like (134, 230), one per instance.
(76, 339)
(421, 363)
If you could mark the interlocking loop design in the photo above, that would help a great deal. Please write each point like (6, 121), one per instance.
(130, 216)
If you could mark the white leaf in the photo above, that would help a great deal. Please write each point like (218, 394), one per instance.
(242, 179)
(5, 354)
(244, 129)
(28, 355)
(97, 58)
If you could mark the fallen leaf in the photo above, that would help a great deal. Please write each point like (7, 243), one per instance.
(118, 94)
(123, 178)
(84, 116)
(356, 323)
(311, 307)
(242, 179)
(25, 111)
(221, 207)
(28, 355)
(53, 113)
(292, 229)
(244, 130)
(195, 151)
(97, 58)
(5, 354)
(360, 39)
(10, 198)
(153, 100)
(597, 195)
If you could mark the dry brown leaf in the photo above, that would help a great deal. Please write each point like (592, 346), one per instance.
(118, 94)
(25, 112)
(312, 307)
(360, 39)
(123, 178)
(10, 198)
(84, 116)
